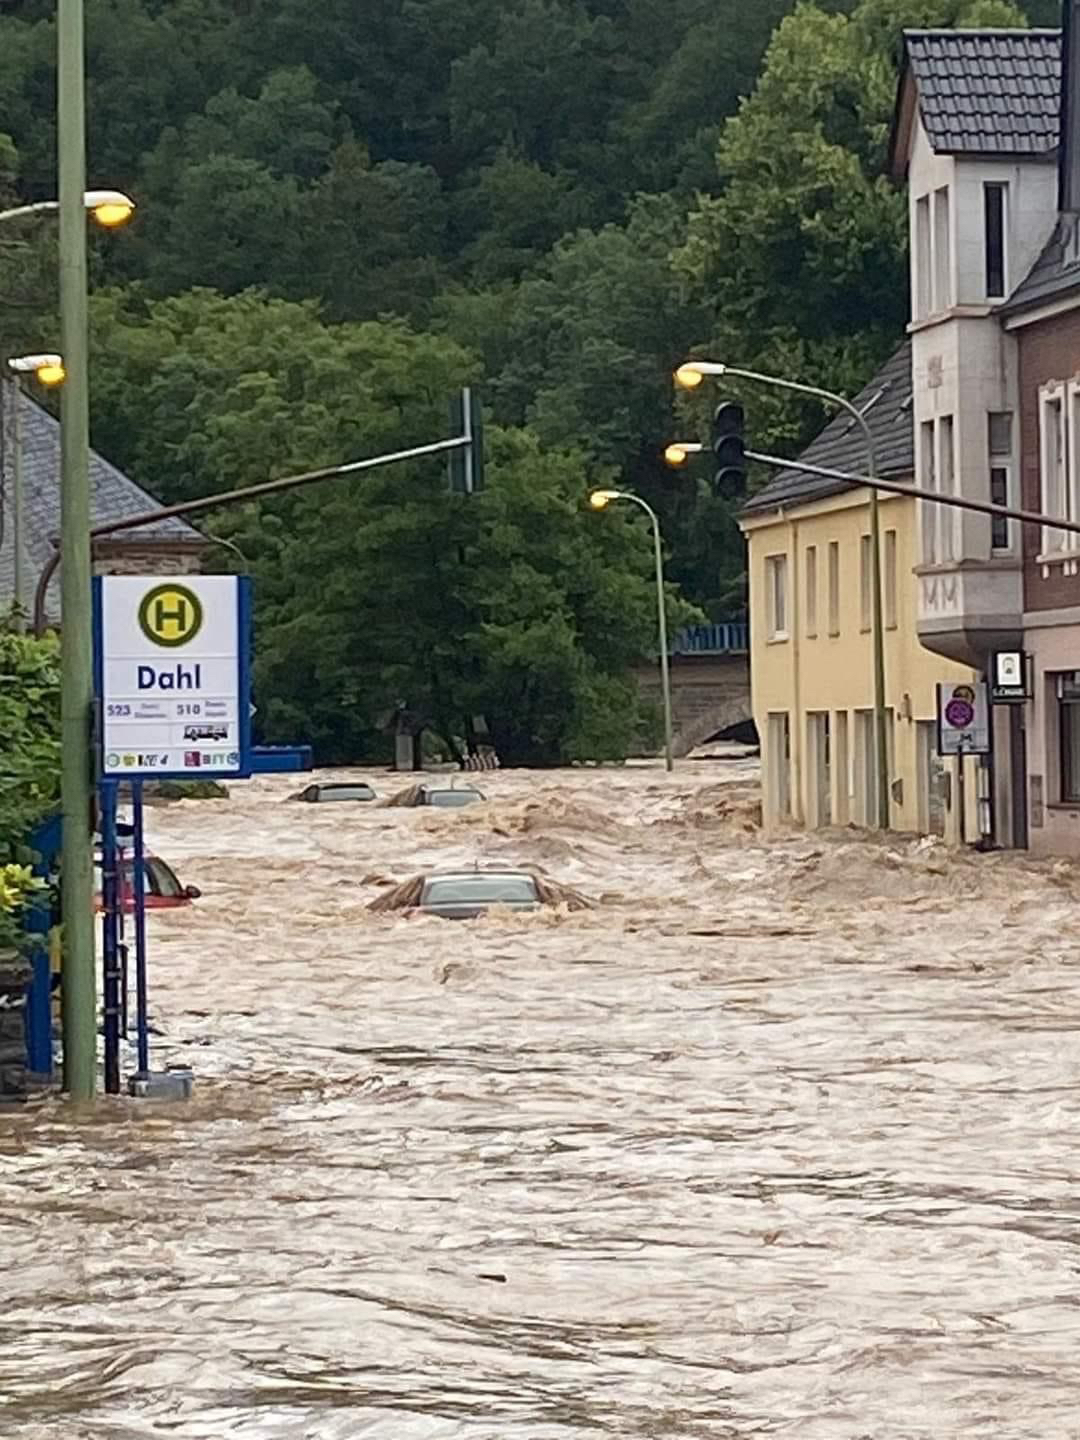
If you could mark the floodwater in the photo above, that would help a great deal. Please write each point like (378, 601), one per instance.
(781, 1138)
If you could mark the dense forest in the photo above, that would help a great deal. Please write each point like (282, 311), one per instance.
(347, 211)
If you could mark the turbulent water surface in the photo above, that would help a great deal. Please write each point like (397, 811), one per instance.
(780, 1138)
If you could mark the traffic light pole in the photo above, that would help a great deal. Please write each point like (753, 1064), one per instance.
(881, 746)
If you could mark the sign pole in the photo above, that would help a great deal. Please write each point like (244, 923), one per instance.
(142, 1029)
(110, 890)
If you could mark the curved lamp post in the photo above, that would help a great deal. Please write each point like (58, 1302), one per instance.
(689, 376)
(49, 370)
(108, 207)
(599, 500)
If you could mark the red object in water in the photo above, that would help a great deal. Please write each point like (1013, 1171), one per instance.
(163, 890)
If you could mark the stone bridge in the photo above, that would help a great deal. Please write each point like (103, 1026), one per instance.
(710, 683)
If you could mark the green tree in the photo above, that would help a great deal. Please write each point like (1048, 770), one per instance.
(803, 253)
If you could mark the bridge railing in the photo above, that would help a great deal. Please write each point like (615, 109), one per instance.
(728, 637)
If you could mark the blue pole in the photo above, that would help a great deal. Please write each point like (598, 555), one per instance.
(141, 1022)
(111, 980)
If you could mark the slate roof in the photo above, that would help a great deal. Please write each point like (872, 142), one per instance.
(1055, 273)
(886, 403)
(112, 497)
(987, 92)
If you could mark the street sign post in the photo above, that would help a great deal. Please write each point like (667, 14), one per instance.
(173, 676)
(963, 719)
(1009, 677)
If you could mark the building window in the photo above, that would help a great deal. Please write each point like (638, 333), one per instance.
(811, 591)
(1068, 689)
(994, 231)
(947, 516)
(866, 582)
(890, 579)
(923, 272)
(776, 596)
(928, 481)
(834, 587)
(942, 250)
(1000, 446)
(1054, 468)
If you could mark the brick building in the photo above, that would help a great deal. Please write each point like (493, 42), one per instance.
(168, 547)
(987, 135)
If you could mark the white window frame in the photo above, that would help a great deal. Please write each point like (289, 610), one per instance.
(924, 260)
(834, 587)
(1072, 476)
(928, 481)
(1053, 468)
(890, 580)
(1001, 460)
(942, 228)
(811, 592)
(866, 582)
(776, 596)
(1003, 186)
(946, 469)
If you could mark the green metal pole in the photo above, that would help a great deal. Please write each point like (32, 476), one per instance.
(665, 675)
(18, 518)
(76, 635)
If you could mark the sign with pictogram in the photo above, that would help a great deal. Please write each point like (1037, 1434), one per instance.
(172, 665)
(1009, 677)
(963, 719)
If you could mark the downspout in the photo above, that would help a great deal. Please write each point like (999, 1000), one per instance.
(798, 723)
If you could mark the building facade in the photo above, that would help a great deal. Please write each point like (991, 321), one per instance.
(810, 570)
(987, 136)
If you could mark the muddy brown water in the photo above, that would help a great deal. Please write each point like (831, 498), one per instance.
(782, 1138)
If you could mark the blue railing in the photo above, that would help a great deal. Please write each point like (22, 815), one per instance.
(730, 637)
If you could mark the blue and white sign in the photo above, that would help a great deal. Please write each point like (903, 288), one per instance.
(172, 660)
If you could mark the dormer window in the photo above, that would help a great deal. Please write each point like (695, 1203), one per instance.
(994, 212)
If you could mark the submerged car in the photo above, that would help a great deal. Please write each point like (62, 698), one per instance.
(161, 885)
(464, 894)
(328, 790)
(444, 796)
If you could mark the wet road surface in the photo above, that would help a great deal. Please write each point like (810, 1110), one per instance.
(781, 1138)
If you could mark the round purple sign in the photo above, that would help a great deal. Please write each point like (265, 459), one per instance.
(960, 714)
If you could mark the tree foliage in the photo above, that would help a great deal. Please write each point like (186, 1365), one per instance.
(347, 211)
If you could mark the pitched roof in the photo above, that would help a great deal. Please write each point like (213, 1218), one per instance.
(1055, 273)
(886, 403)
(112, 497)
(985, 92)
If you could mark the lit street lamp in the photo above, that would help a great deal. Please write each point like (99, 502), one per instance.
(49, 370)
(689, 376)
(108, 207)
(599, 499)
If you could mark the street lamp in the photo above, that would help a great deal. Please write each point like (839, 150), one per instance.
(690, 375)
(108, 207)
(49, 371)
(599, 500)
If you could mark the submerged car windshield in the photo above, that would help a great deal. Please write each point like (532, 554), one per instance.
(344, 792)
(480, 889)
(453, 797)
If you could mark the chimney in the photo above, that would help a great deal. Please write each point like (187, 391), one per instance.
(1069, 134)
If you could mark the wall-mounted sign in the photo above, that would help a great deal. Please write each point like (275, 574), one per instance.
(963, 719)
(172, 661)
(1009, 677)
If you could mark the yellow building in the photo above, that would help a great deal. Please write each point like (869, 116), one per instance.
(811, 664)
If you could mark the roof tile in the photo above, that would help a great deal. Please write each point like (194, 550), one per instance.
(987, 92)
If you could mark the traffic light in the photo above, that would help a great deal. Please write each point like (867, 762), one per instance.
(729, 449)
(467, 462)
